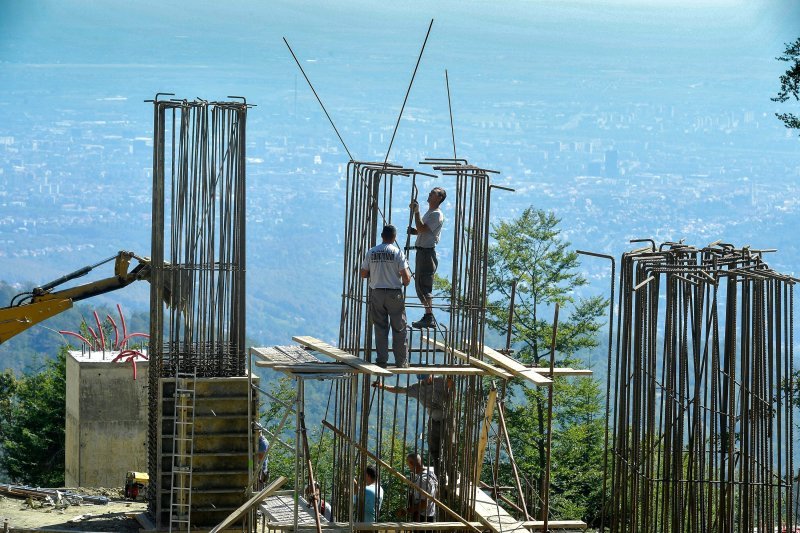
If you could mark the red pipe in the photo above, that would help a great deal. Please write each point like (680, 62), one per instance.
(94, 336)
(122, 320)
(116, 333)
(100, 331)
(77, 335)
(125, 340)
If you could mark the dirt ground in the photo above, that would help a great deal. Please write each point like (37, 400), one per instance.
(117, 516)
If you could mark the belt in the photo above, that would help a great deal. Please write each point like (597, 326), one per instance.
(385, 289)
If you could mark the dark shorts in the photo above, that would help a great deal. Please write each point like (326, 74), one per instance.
(425, 268)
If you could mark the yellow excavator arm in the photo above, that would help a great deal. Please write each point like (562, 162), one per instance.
(30, 308)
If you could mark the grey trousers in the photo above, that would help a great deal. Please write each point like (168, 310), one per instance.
(387, 307)
(425, 269)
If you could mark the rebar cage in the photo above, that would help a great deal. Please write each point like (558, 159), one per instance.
(702, 425)
(391, 426)
(197, 292)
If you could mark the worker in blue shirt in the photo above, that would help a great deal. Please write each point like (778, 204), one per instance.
(373, 494)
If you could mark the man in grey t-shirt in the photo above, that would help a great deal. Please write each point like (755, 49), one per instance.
(427, 229)
(421, 508)
(387, 269)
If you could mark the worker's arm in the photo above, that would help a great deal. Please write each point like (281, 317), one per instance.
(405, 276)
(364, 270)
(421, 506)
(417, 508)
(396, 390)
(420, 226)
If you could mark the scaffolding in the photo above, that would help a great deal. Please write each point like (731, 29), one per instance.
(366, 424)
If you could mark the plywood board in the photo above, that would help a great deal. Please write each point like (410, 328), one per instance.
(566, 371)
(555, 524)
(249, 504)
(341, 356)
(494, 517)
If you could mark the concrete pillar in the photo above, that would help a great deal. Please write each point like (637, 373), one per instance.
(106, 422)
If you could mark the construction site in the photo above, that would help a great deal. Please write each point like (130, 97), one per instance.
(699, 427)
(698, 416)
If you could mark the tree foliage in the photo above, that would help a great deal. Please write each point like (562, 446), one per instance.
(790, 88)
(531, 251)
(32, 413)
(790, 83)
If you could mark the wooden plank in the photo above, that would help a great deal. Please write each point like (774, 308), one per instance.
(515, 367)
(283, 355)
(566, 371)
(261, 353)
(248, 505)
(556, 524)
(439, 370)
(494, 517)
(341, 356)
(374, 526)
(484, 439)
(342, 368)
(321, 368)
(477, 363)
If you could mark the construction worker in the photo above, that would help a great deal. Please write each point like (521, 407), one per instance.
(431, 391)
(387, 269)
(373, 494)
(263, 464)
(421, 508)
(322, 505)
(427, 229)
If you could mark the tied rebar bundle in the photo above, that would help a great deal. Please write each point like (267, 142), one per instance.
(197, 294)
(702, 417)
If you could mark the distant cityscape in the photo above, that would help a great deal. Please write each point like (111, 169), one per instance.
(627, 121)
(73, 191)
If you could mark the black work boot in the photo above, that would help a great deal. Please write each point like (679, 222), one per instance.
(427, 321)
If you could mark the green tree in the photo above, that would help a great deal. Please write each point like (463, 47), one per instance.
(277, 409)
(790, 88)
(790, 83)
(531, 251)
(32, 419)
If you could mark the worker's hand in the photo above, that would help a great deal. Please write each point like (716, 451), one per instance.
(414, 205)
(411, 231)
(377, 384)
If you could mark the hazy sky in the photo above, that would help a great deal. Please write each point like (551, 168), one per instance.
(483, 38)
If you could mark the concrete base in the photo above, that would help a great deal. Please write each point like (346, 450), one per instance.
(106, 420)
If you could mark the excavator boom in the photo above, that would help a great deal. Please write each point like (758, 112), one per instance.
(29, 309)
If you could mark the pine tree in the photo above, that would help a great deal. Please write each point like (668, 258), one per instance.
(531, 251)
(32, 418)
(790, 83)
